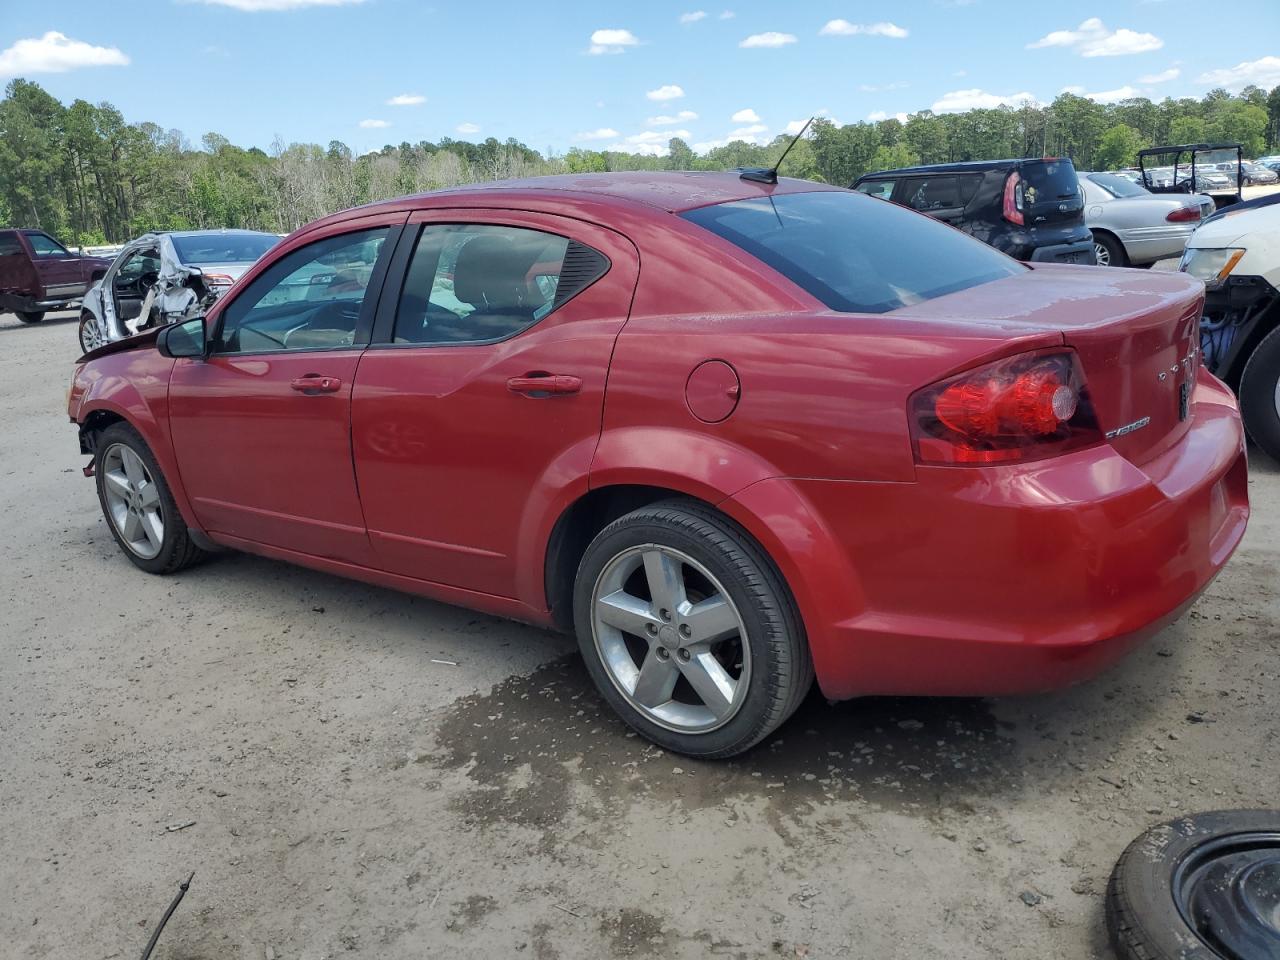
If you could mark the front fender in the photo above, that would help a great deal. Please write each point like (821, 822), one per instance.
(134, 386)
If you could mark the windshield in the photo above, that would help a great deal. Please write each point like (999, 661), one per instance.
(856, 254)
(223, 247)
(1117, 186)
(1049, 181)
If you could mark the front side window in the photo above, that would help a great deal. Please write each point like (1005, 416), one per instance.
(310, 299)
(138, 263)
(474, 283)
(853, 255)
(44, 245)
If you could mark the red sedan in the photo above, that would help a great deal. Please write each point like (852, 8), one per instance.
(733, 434)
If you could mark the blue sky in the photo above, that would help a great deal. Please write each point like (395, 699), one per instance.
(611, 75)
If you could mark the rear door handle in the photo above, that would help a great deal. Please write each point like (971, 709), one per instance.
(314, 383)
(558, 384)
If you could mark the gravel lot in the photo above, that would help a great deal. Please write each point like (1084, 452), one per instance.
(369, 774)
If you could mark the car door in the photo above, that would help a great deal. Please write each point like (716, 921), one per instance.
(57, 267)
(261, 427)
(479, 403)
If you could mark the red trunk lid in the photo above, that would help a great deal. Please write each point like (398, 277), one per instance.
(1136, 333)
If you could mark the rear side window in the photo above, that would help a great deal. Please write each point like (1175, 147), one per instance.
(932, 193)
(1049, 181)
(1117, 186)
(876, 188)
(477, 283)
(855, 256)
(9, 244)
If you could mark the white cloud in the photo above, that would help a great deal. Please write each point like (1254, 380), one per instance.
(961, 73)
(468, 127)
(684, 116)
(1107, 96)
(746, 115)
(56, 53)
(794, 127)
(1164, 76)
(693, 17)
(406, 100)
(668, 92)
(747, 132)
(770, 39)
(655, 136)
(604, 133)
(960, 100)
(1093, 39)
(877, 115)
(256, 6)
(727, 15)
(1263, 72)
(373, 124)
(843, 28)
(611, 41)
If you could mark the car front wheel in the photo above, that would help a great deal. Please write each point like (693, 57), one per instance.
(688, 631)
(30, 316)
(137, 503)
(1260, 394)
(90, 335)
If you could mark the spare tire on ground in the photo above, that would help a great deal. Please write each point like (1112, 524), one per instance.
(1203, 887)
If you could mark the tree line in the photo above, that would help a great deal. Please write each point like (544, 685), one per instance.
(84, 174)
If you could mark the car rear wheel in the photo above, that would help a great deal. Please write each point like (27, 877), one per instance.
(688, 631)
(90, 336)
(30, 316)
(1260, 394)
(137, 503)
(1108, 252)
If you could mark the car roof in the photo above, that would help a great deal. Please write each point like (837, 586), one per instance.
(971, 166)
(667, 192)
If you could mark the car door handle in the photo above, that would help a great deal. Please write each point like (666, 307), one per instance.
(546, 384)
(314, 383)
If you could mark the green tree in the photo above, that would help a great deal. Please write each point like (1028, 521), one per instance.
(1118, 147)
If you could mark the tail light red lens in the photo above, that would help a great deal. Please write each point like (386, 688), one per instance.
(1023, 408)
(218, 279)
(1184, 215)
(1013, 199)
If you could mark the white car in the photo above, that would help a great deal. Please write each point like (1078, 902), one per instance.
(1236, 252)
(161, 278)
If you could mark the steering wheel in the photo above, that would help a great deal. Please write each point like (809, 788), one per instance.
(146, 281)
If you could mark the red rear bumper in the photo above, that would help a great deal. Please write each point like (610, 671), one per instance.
(1001, 580)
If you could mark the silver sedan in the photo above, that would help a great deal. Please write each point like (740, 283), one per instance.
(1133, 227)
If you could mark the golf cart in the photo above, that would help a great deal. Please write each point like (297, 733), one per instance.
(1183, 177)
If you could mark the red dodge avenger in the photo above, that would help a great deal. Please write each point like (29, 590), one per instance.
(733, 434)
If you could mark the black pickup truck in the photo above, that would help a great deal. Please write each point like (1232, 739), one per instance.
(37, 273)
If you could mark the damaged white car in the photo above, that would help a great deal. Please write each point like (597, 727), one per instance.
(162, 278)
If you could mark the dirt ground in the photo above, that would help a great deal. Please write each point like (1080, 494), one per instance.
(360, 773)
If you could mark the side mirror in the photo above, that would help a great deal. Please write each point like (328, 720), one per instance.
(182, 339)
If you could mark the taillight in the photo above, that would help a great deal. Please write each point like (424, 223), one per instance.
(1013, 198)
(1184, 215)
(218, 280)
(1023, 408)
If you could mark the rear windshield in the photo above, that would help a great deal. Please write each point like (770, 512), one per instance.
(1117, 186)
(1049, 181)
(223, 247)
(853, 253)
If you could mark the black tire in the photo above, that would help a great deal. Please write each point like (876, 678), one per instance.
(30, 316)
(782, 669)
(177, 550)
(1109, 251)
(1259, 399)
(1144, 920)
(86, 318)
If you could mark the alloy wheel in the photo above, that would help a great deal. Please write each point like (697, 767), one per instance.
(90, 336)
(1102, 255)
(671, 639)
(133, 501)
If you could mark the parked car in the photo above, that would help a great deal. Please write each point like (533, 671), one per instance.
(837, 437)
(163, 277)
(38, 274)
(1131, 226)
(1237, 255)
(1029, 209)
(1253, 174)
